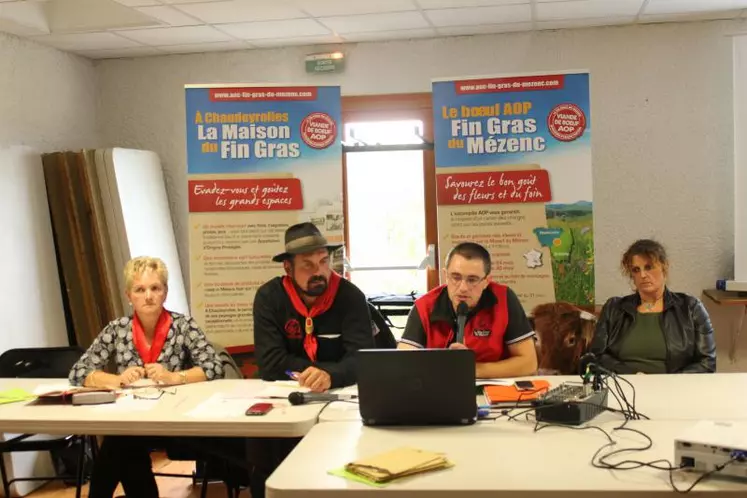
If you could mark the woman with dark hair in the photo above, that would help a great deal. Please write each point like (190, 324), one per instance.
(653, 330)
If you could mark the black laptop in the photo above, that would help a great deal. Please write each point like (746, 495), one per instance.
(417, 386)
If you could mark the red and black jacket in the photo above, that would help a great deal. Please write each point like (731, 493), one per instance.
(497, 320)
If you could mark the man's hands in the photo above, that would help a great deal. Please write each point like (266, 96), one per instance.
(315, 379)
(458, 345)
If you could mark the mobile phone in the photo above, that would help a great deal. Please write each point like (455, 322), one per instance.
(258, 409)
(524, 385)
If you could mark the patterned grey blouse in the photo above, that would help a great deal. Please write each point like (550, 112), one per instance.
(186, 346)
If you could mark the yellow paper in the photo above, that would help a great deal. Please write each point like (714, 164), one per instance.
(14, 396)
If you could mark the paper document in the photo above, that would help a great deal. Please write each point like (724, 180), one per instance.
(143, 383)
(346, 391)
(494, 382)
(50, 388)
(245, 390)
(217, 406)
(127, 404)
(286, 383)
(273, 391)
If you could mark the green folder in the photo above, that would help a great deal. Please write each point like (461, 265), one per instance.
(354, 477)
(15, 395)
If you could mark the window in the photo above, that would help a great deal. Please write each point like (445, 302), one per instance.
(386, 207)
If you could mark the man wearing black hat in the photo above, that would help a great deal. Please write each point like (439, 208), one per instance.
(309, 323)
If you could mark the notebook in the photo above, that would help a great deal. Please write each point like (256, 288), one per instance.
(66, 397)
(511, 397)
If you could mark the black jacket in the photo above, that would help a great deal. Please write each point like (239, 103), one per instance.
(688, 333)
(341, 331)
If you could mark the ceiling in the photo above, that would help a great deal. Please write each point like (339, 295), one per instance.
(101, 29)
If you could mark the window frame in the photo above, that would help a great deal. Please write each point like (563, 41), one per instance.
(407, 106)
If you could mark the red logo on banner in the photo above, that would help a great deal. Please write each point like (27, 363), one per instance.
(256, 93)
(566, 122)
(265, 194)
(515, 84)
(494, 187)
(318, 130)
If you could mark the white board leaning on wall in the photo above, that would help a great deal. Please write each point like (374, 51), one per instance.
(740, 158)
(30, 296)
(137, 211)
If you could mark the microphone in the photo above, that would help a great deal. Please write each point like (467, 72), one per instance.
(462, 310)
(299, 398)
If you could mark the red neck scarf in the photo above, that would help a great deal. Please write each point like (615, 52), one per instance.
(322, 304)
(151, 354)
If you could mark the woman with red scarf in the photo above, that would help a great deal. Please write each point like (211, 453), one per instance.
(165, 347)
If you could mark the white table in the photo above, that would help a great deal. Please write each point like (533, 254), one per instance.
(660, 397)
(491, 459)
(168, 416)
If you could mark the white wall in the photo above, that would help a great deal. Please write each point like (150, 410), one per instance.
(47, 103)
(740, 158)
(47, 97)
(661, 111)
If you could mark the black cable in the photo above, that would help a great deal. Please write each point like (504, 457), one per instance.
(631, 406)
(538, 427)
(623, 408)
(612, 382)
(326, 404)
(632, 387)
(717, 468)
(619, 396)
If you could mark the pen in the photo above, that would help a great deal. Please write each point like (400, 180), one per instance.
(292, 375)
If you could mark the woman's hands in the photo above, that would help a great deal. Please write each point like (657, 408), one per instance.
(131, 375)
(153, 371)
(158, 373)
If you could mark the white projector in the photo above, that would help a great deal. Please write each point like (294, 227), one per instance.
(708, 445)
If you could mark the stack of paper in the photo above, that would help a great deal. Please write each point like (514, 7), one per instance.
(396, 464)
(277, 390)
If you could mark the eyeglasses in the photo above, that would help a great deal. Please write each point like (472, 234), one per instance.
(470, 280)
(152, 393)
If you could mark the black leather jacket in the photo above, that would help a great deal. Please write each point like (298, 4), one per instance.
(688, 333)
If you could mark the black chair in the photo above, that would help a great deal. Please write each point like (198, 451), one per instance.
(211, 465)
(47, 363)
(382, 329)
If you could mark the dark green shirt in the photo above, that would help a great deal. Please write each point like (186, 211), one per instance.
(644, 349)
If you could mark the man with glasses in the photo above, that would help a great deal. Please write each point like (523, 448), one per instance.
(496, 326)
